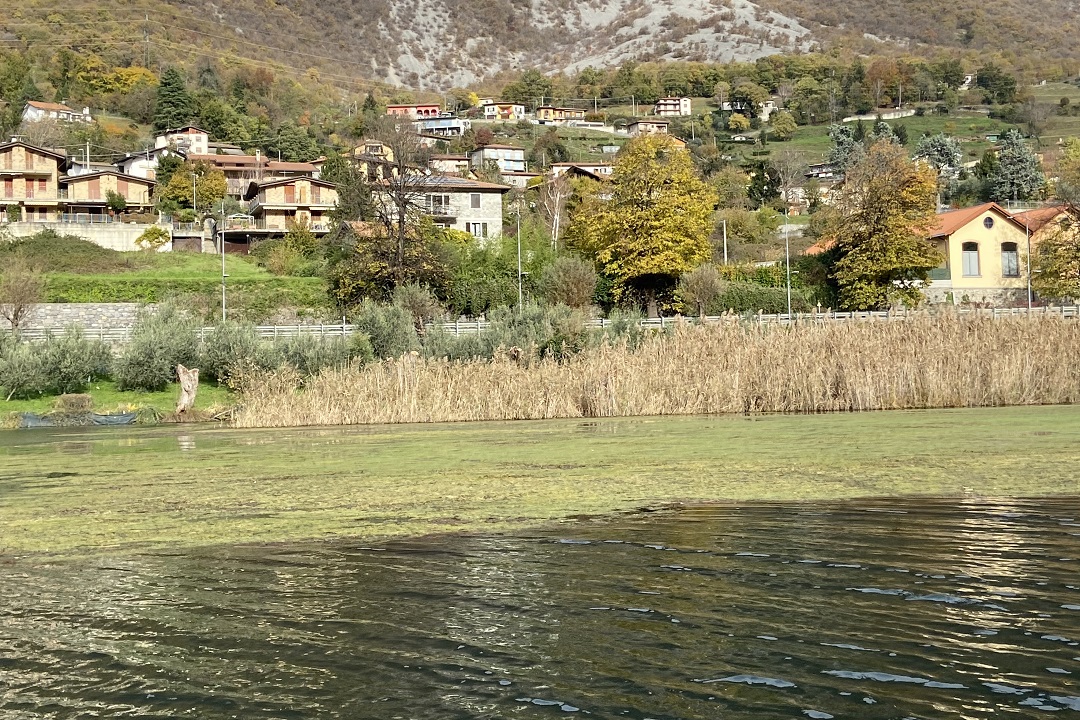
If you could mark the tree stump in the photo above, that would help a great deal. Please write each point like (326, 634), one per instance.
(189, 385)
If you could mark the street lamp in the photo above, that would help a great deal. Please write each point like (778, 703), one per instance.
(787, 255)
(519, 199)
(1027, 239)
(221, 236)
(194, 207)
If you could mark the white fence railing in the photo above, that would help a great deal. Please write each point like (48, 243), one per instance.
(117, 335)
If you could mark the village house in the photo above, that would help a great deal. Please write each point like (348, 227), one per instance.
(29, 182)
(647, 127)
(462, 204)
(449, 164)
(277, 204)
(503, 111)
(598, 169)
(1046, 222)
(415, 110)
(673, 107)
(983, 247)
(36, 111)
(86, 197)
(549, 114)
(443, 127)
(518, 179)
(240, 170)
(187, 140)
(507, 157)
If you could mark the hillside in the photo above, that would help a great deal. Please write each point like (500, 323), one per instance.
(438, 44)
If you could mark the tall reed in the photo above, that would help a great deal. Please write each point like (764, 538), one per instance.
(925, 361)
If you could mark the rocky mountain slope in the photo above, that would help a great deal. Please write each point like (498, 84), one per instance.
(437, 44)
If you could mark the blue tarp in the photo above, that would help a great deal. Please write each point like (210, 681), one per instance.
(33, 420)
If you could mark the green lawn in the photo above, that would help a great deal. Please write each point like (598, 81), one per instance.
(107, 399)
(94, 490)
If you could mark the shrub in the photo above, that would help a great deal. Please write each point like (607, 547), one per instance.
(699, 288)
(569, 281)
(751, 298)
(622, 325)
(227, 347)
(389, 328)
(419, 302)
(153, 238)
(555, 331)
(309, 354)
(72, 361)
(22, 373)
(161, 340)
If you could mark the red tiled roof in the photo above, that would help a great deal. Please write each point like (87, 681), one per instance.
(819, 247)
(1037, 218)
(290, 166)
(947, 223)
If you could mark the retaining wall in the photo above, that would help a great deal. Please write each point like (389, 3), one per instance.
(90, 316)
(115, 236)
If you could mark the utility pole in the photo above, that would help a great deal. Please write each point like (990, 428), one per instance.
(1027, 238)
(725, 239)
(194, 203)
(519, 252)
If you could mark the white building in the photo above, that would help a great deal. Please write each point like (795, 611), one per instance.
(507, 157)
(672, 107)
(35, 111)
(443, 127)
(188, 140)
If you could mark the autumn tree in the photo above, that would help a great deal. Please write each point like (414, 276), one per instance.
(650, 224)
(1067, 187)
(210, 187)
(1019, 175)
(1055, 261)
(738, 123)
(783, 125)
(885, 212)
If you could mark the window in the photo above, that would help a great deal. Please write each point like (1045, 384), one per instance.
(439, 204)
(1010, 260)
(479, 230)
(971, 259)
(988, 222)
(9, 187)
(474, 200)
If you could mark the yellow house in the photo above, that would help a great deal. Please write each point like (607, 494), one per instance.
(551, 114)
(985, 249)
(87, 195)
(29, 182)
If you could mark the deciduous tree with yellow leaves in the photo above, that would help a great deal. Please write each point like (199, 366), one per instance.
(885, 214)
(649, 224)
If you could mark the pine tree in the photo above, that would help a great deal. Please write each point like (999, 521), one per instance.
(174, 104)
(1019, 175)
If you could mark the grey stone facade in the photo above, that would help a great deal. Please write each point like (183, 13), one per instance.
(90, 316)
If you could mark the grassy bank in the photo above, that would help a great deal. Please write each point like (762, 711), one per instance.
(107, 399)
(78, 271)
(927, 361)
(78, 491)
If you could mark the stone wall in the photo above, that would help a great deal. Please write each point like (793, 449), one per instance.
(115, 236)
(89, 315)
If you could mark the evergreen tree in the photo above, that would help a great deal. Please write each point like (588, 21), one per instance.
(370, 106)
(1019, 175)
(174, 105)
(944, 154)
(846, 148)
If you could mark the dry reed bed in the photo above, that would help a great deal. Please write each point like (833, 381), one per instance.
(925, 361)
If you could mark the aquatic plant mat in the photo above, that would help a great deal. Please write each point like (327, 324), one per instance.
(923, 361)
(76, 490)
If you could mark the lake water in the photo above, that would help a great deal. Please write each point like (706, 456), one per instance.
(870, 609)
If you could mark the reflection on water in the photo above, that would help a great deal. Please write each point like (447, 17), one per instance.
(864, 610)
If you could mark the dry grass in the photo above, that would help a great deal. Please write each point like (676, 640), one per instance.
(926, 361)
